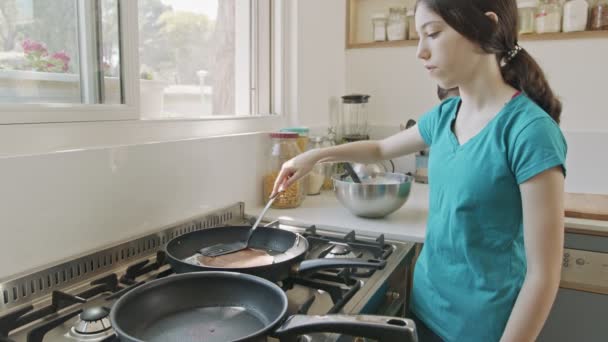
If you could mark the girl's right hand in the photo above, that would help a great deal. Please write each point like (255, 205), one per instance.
(292, 171)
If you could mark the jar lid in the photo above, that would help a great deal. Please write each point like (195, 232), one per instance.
(299, 130)
(379, 16)
(284, 135)
(527, 4)
(355, 98)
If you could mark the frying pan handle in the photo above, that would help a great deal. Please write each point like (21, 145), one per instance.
(312, 265)
(381, 328)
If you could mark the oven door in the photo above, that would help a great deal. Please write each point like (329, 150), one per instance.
(579, 311)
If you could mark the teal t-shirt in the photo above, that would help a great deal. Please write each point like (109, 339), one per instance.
(473, 262)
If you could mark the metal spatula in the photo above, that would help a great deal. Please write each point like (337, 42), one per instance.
(227, 248)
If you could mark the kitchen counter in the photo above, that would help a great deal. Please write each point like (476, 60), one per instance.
(406, 224)
(324, 210)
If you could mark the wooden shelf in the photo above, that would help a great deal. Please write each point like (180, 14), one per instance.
(398, 43)
(523, 37)
(565, 35)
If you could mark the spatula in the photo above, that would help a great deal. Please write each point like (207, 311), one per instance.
(228, 248)
(351, 172)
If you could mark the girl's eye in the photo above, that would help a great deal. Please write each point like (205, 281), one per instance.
(434, 34)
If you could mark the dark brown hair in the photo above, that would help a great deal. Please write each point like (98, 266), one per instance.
(469, 18)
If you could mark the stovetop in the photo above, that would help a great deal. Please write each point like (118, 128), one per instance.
(70, 302)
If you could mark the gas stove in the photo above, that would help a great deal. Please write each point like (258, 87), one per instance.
(71, 301)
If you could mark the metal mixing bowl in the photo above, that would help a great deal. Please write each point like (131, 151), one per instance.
(376, 196)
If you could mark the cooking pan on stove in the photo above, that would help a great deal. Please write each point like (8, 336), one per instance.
(228, 306)
(275, 254)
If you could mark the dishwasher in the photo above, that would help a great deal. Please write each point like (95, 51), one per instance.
(580, 311)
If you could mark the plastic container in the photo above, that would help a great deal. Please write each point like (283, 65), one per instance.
(548, 17)
(576, 13)
(527, 16)
(599, 16)
(396, 28)
(284, 147)
(379, 22)
(303, 133)
(412, 34)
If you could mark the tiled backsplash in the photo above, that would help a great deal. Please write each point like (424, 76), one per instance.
(59, 205)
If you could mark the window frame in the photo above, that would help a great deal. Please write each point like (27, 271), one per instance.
(269, 19)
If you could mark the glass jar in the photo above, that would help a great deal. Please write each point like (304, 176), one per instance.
(548, 17)
(527, 14)
(379, 27)
(330, 168)
(599, 16)
(396, 28)
(412, 34)
(316, 177)
(303, 133)
(284, 147)
(575, 15)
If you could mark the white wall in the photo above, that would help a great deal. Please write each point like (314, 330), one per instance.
(401, 89)
(576, 69)
(321, 60)
(57, 205)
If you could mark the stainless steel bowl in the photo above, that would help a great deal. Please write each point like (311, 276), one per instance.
(376, 196)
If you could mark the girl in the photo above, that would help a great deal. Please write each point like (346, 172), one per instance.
(490, 266)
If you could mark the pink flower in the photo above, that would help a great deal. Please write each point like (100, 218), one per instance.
(30, 46)
(62, 56)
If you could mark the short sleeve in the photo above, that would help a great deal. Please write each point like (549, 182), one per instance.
(428, 124)
(538, 147)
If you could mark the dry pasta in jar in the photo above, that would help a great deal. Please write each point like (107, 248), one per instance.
(284, 147)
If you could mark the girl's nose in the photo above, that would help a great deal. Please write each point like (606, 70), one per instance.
(422, 52)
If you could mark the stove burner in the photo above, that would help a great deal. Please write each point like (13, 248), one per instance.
(340, 251)
(93, 321)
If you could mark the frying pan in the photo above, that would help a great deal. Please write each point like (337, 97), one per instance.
(228, 306)
(285, 248)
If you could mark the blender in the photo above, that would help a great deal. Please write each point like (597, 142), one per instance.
(353, 123)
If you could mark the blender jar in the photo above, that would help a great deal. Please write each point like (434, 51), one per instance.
(354, 120)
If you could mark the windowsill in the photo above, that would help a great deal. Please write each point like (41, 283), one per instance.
(213, 118)
(16, 139)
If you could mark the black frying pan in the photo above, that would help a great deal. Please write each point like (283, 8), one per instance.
(287, 248)
(227, 306)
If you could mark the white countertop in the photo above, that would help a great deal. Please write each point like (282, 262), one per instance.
(406, 224)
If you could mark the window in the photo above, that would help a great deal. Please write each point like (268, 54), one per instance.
(83, 60)
(60, 51)
(198, 58)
